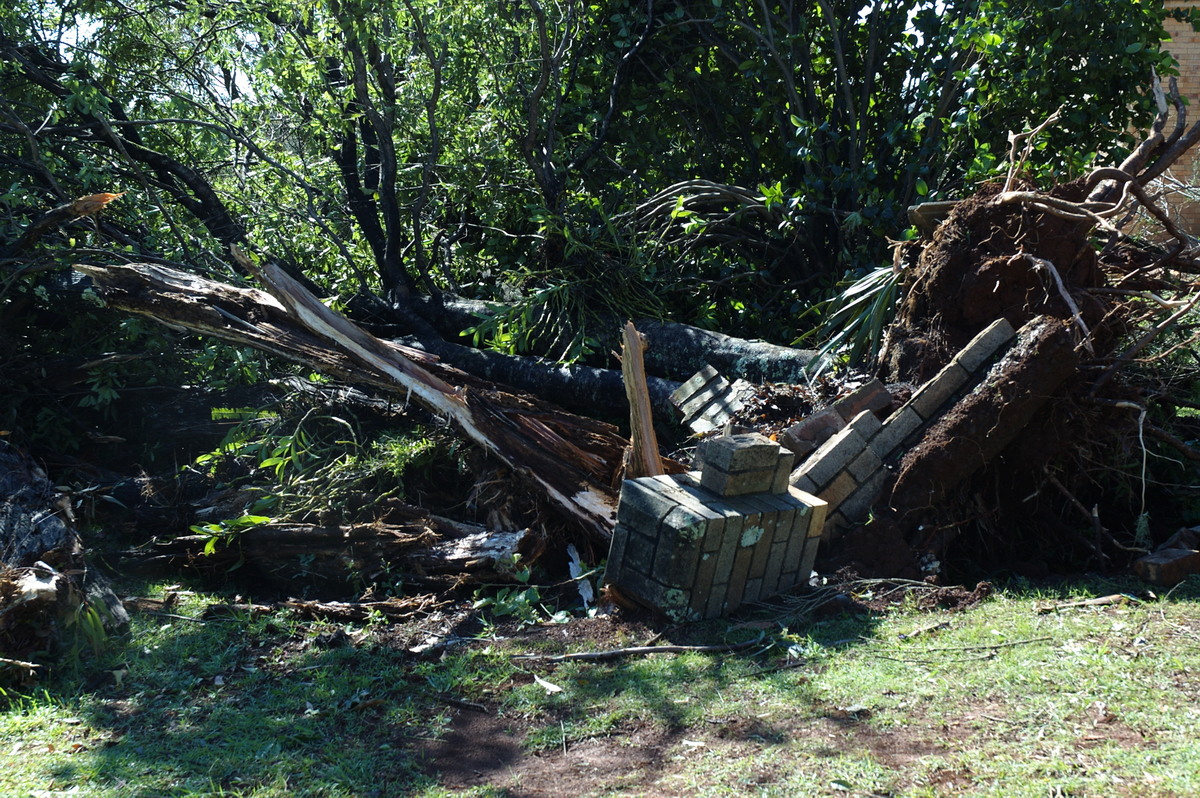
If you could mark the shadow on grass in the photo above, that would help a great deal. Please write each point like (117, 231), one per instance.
(273, 706)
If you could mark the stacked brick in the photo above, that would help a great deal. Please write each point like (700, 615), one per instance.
(701, 544)
(850, 469)
(707, 401)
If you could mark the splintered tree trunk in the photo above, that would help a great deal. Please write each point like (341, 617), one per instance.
(573, 461)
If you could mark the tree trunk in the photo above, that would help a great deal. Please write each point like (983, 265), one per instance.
(573, 461)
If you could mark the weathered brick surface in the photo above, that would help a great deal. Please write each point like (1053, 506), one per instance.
(804, 483)
(935, 393)
(693, 554)
(984, 346)
(865, 465)
(737, 484)
(857, 506)
(903, 423)
(783, 471)
(866, 424)
(829, 460)
(804, 438)
(839, 489)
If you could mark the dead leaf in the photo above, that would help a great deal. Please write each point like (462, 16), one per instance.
(549, 687)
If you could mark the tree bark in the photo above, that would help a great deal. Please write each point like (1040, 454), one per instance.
(571, 460)
(673, 351)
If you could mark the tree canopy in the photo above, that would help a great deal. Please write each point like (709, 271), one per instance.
(720, 163)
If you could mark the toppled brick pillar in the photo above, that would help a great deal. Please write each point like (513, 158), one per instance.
(849, 470)
(701, 544)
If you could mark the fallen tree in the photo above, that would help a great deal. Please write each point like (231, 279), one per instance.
(571, 460)
(1055, 459)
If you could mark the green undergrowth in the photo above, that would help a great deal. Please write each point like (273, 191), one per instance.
(1016, 696)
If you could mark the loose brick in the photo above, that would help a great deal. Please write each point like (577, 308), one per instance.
(985, 345)
(871, 396)
(702, 397)
(807, 435)
(1168, 567)
(833, 456)
(734, 453)
(935, 393)
(887, 441)
(693, 384)
(865, 465)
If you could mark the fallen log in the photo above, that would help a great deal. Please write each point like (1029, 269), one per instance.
(333, 556)
(571, 460)
(674, 351)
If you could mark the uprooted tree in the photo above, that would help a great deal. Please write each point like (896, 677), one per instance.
(526, 181)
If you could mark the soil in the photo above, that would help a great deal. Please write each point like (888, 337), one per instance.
(975, 272)
(485, 748)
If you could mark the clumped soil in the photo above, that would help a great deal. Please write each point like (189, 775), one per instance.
(1029, 508)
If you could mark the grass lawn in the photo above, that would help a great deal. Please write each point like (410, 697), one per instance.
(1016, 695)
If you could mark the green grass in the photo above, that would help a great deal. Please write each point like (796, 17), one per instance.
(1003, 700)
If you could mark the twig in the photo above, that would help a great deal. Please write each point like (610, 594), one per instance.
(1143, 342)
(1102, 601)
(17, 663)
(461, 703)
(1042, 263)
(636, 651)
(173, 615)
(1015, 164)
(924, 630)
(985, 646)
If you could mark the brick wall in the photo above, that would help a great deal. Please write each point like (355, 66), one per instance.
(1185, 47)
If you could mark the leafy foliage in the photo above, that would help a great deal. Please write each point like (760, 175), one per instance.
(722, 163)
